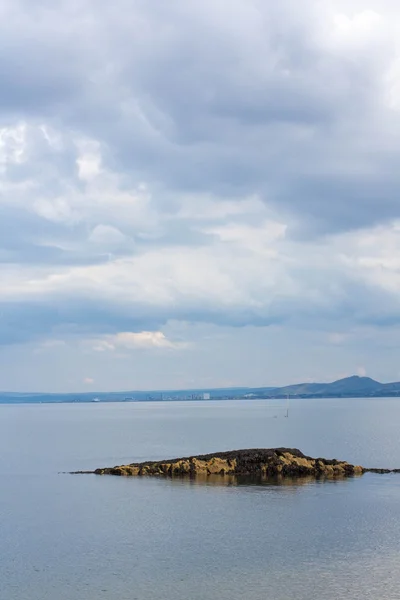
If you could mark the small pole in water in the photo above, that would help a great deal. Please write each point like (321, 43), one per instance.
(287, 406)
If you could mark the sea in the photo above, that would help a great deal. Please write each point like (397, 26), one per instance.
(88, 537)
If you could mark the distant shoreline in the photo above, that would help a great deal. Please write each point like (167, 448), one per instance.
(25, 402)
(349, 387)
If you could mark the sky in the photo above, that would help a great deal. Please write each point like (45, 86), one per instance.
(198, 194)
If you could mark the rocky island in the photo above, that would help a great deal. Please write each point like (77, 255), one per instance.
(264, 463)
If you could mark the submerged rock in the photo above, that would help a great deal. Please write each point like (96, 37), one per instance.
(286, 462)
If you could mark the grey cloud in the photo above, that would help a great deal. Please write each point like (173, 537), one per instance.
(285, 130)
(188, 97)
(186, 100)
(25, 238)
(22, 322)
(332, 204)
(339, 301)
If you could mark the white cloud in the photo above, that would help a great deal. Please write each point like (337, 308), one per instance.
(106, 236)
(102, 345)
(12, 145)
(89, 160)
(131, 341)
(144, 339)
(337, 338)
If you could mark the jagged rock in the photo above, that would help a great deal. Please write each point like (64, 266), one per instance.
(286, 462)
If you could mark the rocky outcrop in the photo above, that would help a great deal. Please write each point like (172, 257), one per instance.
(282, 462)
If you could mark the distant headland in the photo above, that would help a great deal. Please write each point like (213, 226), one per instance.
(349, 387)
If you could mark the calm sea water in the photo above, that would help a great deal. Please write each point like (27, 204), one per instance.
(65, 537)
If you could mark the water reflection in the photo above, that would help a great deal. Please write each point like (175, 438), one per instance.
(277, 481)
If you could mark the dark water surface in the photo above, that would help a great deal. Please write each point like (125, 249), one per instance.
(66, 537)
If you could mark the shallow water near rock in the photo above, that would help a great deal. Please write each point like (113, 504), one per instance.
(65, 537)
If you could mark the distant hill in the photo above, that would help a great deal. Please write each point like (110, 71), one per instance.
(349, 387)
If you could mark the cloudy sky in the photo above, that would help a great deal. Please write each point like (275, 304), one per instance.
(198, 193)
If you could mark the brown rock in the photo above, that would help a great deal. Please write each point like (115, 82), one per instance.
(282, 462)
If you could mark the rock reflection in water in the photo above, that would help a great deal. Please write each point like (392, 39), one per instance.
(255, 481)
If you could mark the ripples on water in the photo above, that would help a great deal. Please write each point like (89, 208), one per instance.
(85, 537)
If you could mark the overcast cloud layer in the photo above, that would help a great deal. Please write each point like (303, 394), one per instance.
(198, 193)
